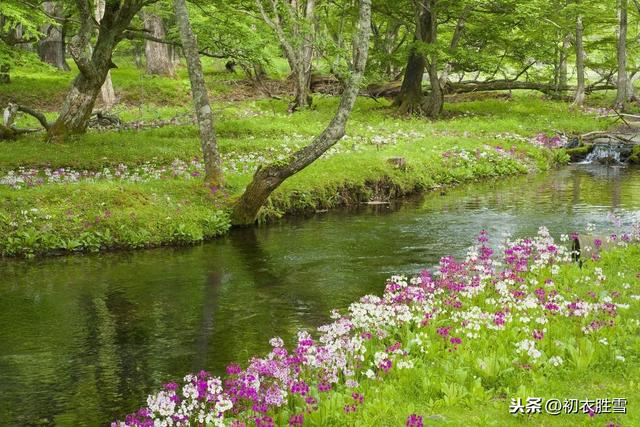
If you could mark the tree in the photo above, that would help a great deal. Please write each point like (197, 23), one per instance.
(19, 25)
(621, 97)
(107, 91)
(212, 161)
(294, 24)
(579, 98)
(94, 62)
(158, 56)
(267, 179)
(51, 47)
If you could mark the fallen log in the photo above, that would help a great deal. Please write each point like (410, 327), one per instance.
(320, 83)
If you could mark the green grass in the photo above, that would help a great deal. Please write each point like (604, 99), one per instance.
(474, 385)
(250, 132)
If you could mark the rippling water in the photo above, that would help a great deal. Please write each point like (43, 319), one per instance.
(84, 339)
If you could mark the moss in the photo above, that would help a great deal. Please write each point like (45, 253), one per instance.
(579, 153)
(635, 155)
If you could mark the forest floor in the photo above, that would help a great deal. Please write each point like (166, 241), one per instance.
(141, 186)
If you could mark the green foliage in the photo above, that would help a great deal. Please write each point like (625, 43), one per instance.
(98, 215)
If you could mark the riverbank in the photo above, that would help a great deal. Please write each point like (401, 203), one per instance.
(493, 331)
(141, 187)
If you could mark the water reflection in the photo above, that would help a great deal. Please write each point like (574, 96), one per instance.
(85, 338)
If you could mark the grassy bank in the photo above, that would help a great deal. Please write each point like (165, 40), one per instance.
(474, 384)
(457, 345)
(141, 187)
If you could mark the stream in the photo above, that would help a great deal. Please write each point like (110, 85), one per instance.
(84, 339)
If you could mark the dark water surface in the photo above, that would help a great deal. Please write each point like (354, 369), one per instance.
(84, 339)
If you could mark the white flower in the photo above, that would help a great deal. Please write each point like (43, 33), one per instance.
(556, 360)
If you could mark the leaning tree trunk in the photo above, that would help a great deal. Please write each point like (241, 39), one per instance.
(51, 47)
(268, 178)
(158, 57)
(579, 99)
(621, 97)
(212, 161)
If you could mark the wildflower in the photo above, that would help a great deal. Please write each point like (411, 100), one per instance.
(296, 420)
(414, 421)
(385, 365)
(348, 409)
(359, 398)
(556, 360)
(538, 334)
(324, 386)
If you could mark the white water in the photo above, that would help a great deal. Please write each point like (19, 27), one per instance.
(606, 154)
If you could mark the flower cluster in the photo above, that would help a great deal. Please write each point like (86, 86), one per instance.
(544, 140)
(31, 177)
(511, 291)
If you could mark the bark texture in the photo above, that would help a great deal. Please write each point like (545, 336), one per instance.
(268, 178)
(294, 24)
(411, 100)
(212, 161)
(580, 91)
(51, 47)
(93, 62)
(159, 61)
(621, 97)
(107, 91)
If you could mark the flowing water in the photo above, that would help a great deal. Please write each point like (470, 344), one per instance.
(84, 339)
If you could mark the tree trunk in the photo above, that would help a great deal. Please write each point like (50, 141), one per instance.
(455, 40)
(212, 161)
(302, 93)
(296, 34)
(158, 57)
(76, 109)
(108, 94)
(51, 47)
(410, 100)
(621, 97)
(631, 88)
(579, 99)
(435, 100)
(93, 62)
(5, 77)
(267, 179)
(561, 77)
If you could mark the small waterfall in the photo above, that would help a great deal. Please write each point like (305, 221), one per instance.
(607, 154)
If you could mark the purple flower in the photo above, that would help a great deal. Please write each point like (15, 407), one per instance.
(296, 420)
(324, 386)
(414, 421)
(359, 398)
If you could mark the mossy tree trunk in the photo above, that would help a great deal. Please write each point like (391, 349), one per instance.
(94, 62)
(269, 178)
(212, 161)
